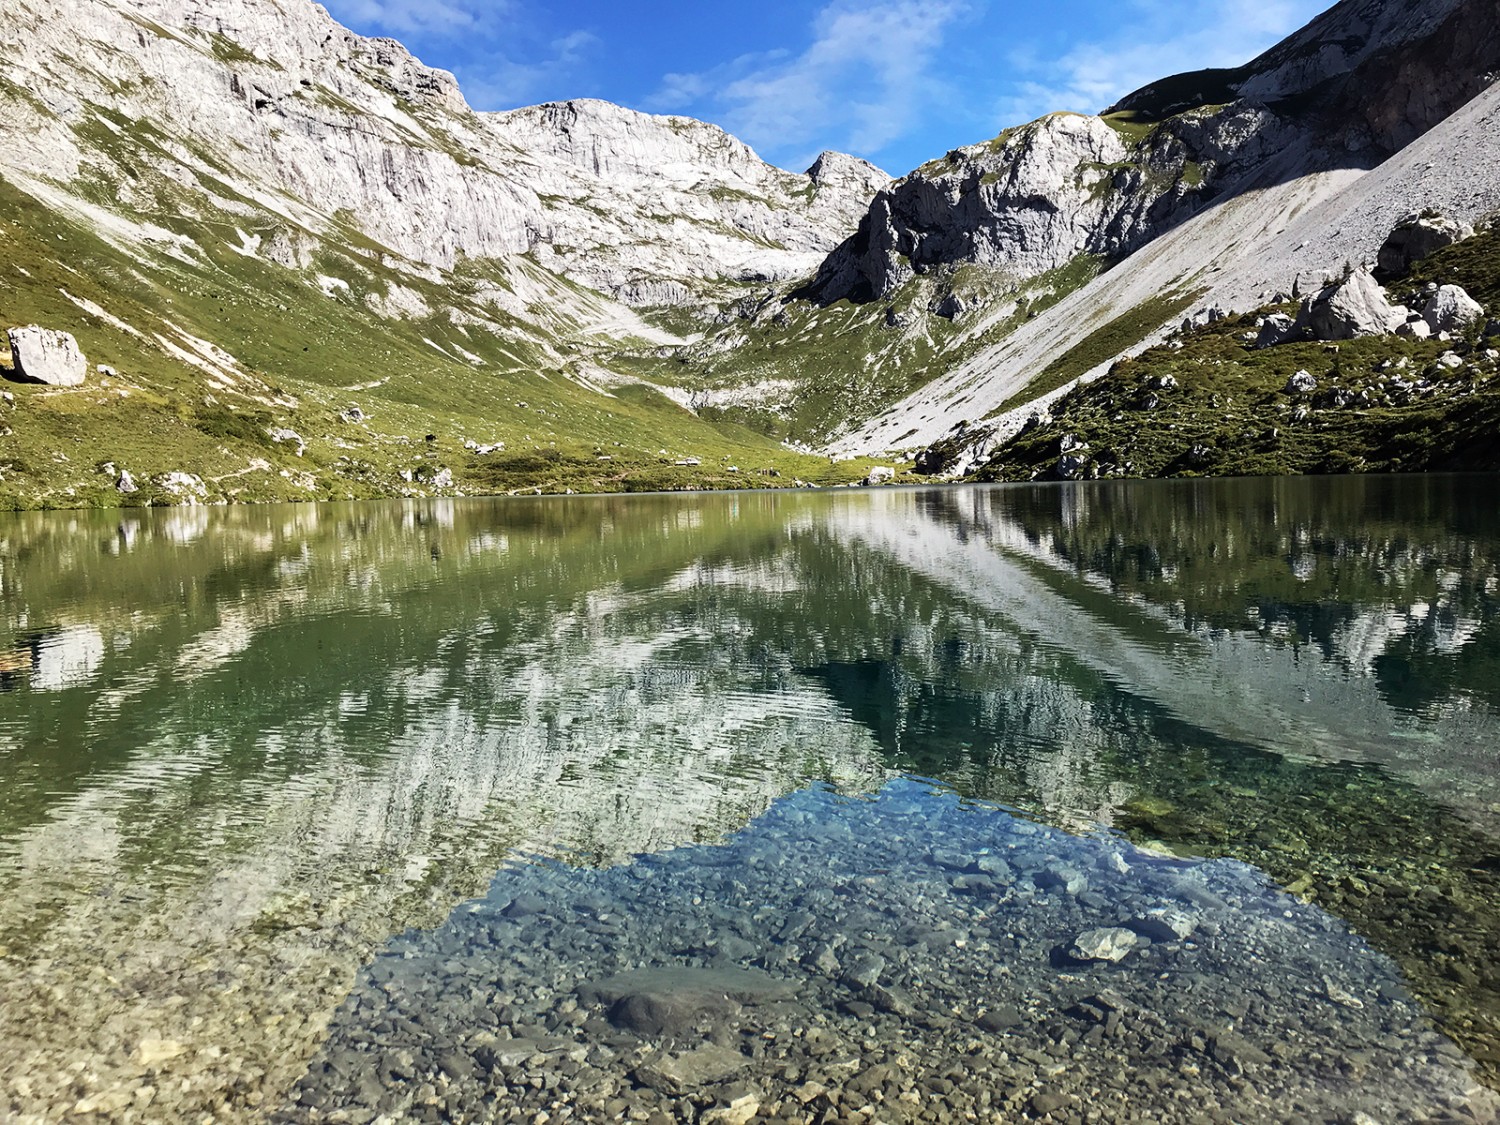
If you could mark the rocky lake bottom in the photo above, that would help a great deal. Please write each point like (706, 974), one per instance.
(1171, 802)
(903, 957)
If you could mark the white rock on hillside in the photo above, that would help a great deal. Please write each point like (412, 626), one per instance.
(1451, 309)
(44, 355)
(1353, 307)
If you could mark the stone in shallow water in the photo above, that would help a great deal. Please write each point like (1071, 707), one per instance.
(995, 867)
(740, 1111)
(524, 906)
(154, 1052)
(1059, 877)
(1002, 1017)
(674, 1001)
(865, 970)
(1164, 923)
(691, 1070)
(1112, 944)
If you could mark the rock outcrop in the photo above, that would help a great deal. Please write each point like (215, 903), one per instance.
(1037, 197)
(1034, 198)
(43, 355)
(318, 136)
(1451, 309)
(1416, 237)
(1347, 309)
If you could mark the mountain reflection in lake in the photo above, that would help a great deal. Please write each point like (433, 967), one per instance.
(246, 748)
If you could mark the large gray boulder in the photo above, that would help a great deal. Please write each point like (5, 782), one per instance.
(43, 355)
(1451, 309)
(1278, 328)
(1417, 236)
(1347, 309)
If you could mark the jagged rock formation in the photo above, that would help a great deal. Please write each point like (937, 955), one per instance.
(1067, 185)
(1037, 197)
(1327, 197)
(1352, 307)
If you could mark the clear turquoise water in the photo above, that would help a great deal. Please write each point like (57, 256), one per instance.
(254, 758)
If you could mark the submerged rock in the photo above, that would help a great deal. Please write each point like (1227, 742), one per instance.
(690, 1070)
(671, 1002)
(1113, 945)
(1164, 924)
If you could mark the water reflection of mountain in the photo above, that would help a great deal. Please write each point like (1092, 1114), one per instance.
(281, 735)
(331, 726)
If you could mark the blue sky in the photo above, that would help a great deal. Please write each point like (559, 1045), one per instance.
(895, 81)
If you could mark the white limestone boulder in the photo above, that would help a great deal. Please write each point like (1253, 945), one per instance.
(44, 355)
(1451, 309)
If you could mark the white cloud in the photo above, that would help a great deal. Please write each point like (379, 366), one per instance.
(1092, 75)
(498, 83)
(411, 17)
(864, 81)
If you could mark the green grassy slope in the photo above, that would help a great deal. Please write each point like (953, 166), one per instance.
(827, 368)
(465, 371)
(1216, 407)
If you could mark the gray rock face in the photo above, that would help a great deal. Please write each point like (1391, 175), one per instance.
(1034, 198)
(1301, 383)
(1348, 309)
(42, 355)
(1037, 197)
(1451, 309)
(329, 129)
(1277, 329)
(1417, 236)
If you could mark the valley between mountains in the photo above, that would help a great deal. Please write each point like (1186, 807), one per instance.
(247, 255)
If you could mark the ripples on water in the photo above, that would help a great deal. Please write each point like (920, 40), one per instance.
(243, 750)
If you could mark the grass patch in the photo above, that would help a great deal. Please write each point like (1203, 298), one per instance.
(1473, 264)
(1100, 346)
(1217, 407)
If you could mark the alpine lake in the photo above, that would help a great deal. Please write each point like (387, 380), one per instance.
(1124, 802)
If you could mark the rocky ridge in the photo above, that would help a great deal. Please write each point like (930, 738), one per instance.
(317, 128)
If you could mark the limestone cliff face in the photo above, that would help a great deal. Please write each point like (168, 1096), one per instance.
(640, 205)
(1354, 86)
(270, 108)
(1037, 197)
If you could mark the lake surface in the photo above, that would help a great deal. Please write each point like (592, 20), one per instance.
(1173, 801)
